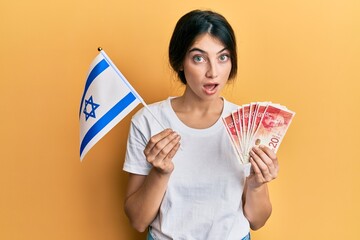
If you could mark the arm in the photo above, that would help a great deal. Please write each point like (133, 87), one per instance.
(257, 205)
(144, 193)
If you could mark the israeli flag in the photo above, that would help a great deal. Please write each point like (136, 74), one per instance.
(108, 97)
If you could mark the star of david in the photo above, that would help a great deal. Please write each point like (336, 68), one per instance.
(94, 106)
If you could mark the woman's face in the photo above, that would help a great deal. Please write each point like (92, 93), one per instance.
(207, 66)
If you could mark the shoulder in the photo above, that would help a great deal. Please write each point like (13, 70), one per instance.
(229, 107)
(155, 108)
(147, 119)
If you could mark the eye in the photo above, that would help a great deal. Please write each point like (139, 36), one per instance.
(224, 57)
(198, 59)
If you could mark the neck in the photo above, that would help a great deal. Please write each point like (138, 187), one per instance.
(199, 105)
(198, 114)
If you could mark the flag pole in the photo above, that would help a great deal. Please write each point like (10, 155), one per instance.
(129, 86)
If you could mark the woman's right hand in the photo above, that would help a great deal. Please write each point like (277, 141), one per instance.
(160, 150)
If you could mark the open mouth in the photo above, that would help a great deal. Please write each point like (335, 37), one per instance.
(210, 88)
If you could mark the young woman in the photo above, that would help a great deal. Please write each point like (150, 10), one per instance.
(185, 182)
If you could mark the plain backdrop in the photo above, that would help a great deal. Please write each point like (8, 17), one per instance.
(304, 54)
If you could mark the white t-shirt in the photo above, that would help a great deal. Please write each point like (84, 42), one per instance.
(203, 199)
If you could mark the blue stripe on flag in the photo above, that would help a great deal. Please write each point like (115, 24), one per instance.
(108, 117)
(96, 71)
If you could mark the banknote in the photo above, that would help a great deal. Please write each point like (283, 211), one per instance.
(257, 123)
(231, 130)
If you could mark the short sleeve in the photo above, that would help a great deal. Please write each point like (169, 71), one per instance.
(135, 161)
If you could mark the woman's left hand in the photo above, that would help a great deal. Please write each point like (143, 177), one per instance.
(264, 166)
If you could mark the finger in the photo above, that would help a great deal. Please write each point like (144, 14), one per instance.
(269, 152)
(260, 152)
(169, 148)
(256, 171)
(173, 151)
(261, 166)
(155, 139)
(162, 148)
(274, 167)
(262, 161)
(269, 158)
(254, 167)
(163, 161)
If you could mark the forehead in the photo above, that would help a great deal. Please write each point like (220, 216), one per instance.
(207, 43)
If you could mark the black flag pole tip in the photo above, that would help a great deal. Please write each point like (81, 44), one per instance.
(99, 49)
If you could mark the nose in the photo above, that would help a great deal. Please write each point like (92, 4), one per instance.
(212, 71)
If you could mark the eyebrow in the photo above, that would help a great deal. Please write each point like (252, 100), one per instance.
(202, 51)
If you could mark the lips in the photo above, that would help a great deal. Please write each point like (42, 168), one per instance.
(210, 88)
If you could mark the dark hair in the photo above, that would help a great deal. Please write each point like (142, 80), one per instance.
(193, 24)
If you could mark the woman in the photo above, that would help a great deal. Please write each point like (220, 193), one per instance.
(199, 190)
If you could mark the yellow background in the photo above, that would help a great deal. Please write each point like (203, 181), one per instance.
(301, 53)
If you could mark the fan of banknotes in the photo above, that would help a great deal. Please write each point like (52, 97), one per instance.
(258, 123)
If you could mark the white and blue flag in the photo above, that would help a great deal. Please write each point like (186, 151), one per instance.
(108, 97)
